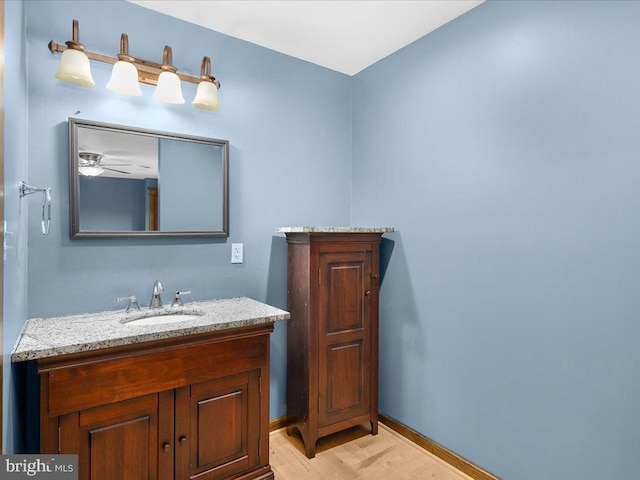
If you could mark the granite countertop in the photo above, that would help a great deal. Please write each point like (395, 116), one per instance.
(334, 230)
(49, 337)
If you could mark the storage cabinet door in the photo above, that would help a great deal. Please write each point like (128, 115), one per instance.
(218, 427)
(115, 441)
(344, 339)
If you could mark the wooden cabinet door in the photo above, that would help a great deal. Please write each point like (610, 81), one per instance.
(344, 337)
(119, 440)
(218, 427)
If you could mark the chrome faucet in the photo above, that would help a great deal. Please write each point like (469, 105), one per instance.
(156, 300)
(177, 299)
(133, 302)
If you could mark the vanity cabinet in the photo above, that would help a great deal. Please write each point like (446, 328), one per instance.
(332, 343)
(181, 408)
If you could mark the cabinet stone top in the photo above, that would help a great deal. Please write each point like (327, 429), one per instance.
(335, 229)
(50, 337)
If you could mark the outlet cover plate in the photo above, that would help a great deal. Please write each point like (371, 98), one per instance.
(237, 253)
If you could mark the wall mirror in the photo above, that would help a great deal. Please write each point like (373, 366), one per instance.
(134, 182)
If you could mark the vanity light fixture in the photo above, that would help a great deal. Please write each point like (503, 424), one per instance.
(168, 89)
(74, 64)
(124, 76)
(128, 71)
(207, 93)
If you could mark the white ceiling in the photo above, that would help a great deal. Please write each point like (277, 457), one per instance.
(343, 35)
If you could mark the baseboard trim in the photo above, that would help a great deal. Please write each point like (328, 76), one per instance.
(438, 450)
(278, 423)
(429, 445)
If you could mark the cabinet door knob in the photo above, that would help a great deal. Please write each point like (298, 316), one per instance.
(367, 293)
(183, 440)
(375, 275)
(166, 446)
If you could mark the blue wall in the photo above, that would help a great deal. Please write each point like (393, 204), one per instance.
(15, 210)
(504, 147)
(289, 127)
(116, 204)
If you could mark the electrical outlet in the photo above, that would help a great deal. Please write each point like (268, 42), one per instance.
(237, 253)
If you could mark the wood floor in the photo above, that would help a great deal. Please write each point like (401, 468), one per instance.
(356, 455)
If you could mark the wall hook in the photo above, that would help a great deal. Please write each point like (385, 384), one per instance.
(26, 189)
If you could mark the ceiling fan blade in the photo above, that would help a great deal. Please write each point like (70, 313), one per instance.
(118, 153)
(115, 164)
(128, 161)
(119, 171)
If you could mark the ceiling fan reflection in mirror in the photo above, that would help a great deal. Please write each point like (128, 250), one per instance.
(91, 165)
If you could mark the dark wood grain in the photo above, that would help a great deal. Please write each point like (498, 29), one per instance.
(192, 408)
(225, 426)
(114, 441)
(344, 336)
(166, 434)
(332, 338)
(89, 384)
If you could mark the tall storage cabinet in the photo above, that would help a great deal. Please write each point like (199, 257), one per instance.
(332, 336)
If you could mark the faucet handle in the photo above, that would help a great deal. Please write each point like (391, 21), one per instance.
(177, 299)
(132, 301)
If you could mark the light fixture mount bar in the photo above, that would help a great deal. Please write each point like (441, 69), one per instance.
(124, 49)
(148, 71)
(75, 37)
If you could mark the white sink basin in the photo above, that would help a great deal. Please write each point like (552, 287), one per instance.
(161, 319)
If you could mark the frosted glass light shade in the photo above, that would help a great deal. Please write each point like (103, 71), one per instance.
(168, 89)
(90, 170)
(75, 68)
(206, 96)
(124, 79)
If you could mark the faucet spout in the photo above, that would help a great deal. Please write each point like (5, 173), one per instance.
(156, 299)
